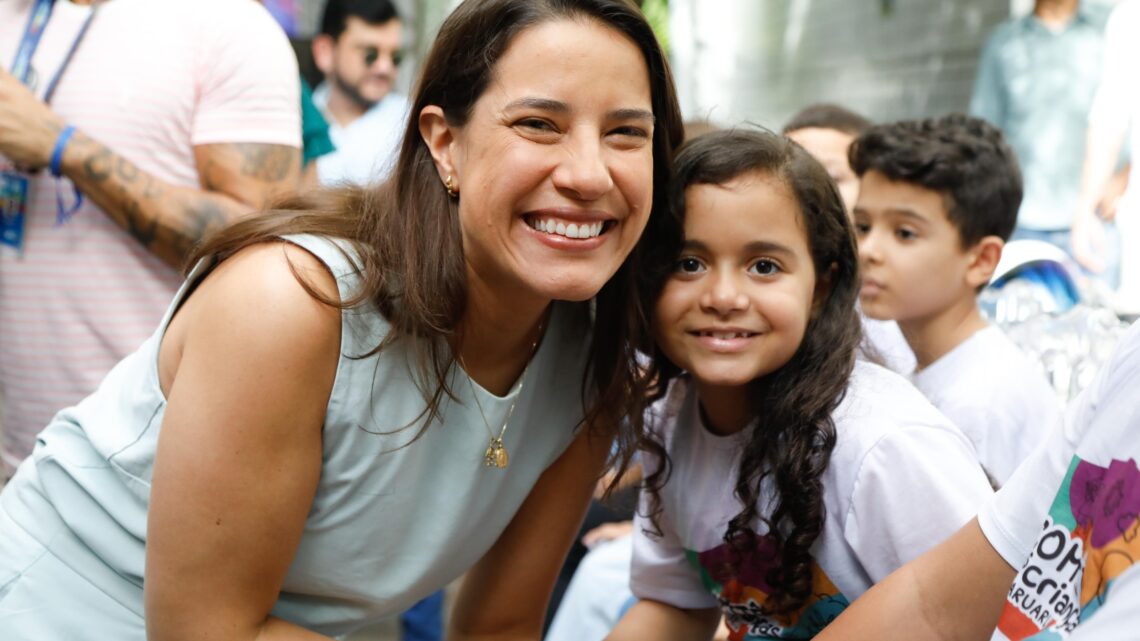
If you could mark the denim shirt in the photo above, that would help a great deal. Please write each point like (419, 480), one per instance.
(1037, 85)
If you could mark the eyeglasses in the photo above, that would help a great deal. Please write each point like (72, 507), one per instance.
(372, 54)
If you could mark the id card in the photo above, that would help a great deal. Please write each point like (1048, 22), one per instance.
(13, 208)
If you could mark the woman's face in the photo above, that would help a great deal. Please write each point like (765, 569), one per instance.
(555, 164)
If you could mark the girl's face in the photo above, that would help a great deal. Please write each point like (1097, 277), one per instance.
(555, 164)
(741, 294)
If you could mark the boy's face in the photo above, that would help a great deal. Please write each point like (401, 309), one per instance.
(910, 254)
(829, 147)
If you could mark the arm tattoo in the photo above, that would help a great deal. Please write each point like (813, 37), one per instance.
(126, 170)
(98, 165)
(203, 216)
(266, 162)
(170, 220)
(143, 230)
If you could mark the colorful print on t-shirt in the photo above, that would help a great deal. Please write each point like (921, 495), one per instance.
(743, 588)
(1090, 538)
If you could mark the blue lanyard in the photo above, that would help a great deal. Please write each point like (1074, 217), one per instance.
(22, 69)
(37, 22)
(22, 66)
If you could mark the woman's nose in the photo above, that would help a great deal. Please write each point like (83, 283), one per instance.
(584, 172)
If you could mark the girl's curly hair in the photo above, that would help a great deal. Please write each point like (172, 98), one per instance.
(792, 443)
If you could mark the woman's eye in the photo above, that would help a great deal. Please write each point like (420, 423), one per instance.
(766, 267)
(689, 265)
(536, 124)
(631, 132)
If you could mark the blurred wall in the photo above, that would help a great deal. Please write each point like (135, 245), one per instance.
(762, 60)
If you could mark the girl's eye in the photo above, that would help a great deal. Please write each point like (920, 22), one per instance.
(689, 265)
(906, 234)
(862, 229)
(766, 267)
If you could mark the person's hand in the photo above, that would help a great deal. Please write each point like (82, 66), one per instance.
(607, 532)
(28, 127)
(1088, 241)
(1113, 192)
(722, 632)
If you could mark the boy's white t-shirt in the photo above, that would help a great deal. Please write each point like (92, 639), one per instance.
(901, 479)
(884, 341)
(1069, 518)
(991, 390)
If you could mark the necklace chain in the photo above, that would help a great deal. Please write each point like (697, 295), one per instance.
(496, 452)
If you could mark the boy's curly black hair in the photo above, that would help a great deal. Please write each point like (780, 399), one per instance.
(965, 159)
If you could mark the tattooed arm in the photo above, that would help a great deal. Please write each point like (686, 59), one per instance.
(169, 220)
(235, 179)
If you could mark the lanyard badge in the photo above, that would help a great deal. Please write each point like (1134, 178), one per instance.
(13, 184)
(13, 208)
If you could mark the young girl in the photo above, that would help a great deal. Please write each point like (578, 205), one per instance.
(783, 477)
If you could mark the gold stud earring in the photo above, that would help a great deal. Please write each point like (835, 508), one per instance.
(449, 184)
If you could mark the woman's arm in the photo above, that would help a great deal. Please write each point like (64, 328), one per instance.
(955, 592)
(504, 596)
(662, 622)
(247, 366)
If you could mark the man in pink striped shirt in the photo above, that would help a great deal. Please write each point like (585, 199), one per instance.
(169, 119)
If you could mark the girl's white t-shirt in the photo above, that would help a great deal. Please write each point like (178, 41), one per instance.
(1069, 518)
(901, 479)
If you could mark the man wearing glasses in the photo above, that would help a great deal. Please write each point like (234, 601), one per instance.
(359, 51)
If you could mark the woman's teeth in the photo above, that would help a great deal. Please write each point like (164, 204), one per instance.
(569, 230)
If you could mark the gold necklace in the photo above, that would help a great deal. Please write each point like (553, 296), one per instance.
(496, 453)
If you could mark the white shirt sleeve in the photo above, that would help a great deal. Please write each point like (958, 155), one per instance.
(661, 568)
(1013, 519)
(1119, 92)
(918, 485)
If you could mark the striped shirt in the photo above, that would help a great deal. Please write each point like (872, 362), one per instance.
(151, 79)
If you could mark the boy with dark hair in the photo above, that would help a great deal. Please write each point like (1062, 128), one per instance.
(938, 199)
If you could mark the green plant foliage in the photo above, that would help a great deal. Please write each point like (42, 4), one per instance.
(657, 13)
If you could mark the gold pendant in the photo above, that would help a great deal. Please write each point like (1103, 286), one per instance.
(496, 454)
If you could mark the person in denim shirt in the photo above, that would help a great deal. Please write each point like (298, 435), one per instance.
(1036, 81)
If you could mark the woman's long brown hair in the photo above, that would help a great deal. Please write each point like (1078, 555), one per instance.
(405, 232)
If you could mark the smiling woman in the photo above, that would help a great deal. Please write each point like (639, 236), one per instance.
(269, 464)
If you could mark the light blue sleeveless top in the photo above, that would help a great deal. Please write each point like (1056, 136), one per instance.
(388, 526)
